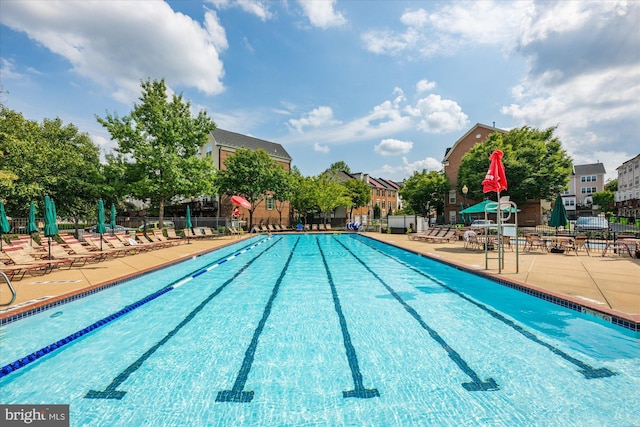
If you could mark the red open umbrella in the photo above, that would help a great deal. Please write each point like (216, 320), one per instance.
(241, 201)
(496, 179)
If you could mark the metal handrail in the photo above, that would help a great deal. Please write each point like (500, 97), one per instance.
(13, 291)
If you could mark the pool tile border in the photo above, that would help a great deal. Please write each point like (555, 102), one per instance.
(615, 317)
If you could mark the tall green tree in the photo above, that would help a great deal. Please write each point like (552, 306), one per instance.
(283, 190)
(303, 199)
(157, 146)
(252, 174)
(48, 158)
(611, 185)
(329, 194)
(359, 193)
(339, 166)
(424, 191)
(604, 199)
(535, 164)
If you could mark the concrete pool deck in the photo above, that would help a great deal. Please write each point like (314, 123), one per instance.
(609, 284)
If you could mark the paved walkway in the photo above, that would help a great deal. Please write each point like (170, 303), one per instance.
(608, 284)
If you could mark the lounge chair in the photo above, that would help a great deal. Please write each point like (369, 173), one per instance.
(171, 235)
(58, 252)
(159, 235)
(148, 242)
(18, 271)
(533, 240)
(121, 244)
(419, 236)
(448, 236)
(18, 256)
(328, 227)
(207, 232)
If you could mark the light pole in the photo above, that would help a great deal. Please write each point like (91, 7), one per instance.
(465, 190)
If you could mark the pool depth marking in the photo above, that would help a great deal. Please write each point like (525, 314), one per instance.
(237, 392)
(111, 392)
(476, 384)
(359, 389)
(24, 361)
(588, 371)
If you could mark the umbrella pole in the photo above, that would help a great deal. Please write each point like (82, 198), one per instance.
(49, 247)
(100, 242)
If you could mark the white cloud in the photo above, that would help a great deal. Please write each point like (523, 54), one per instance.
(452, 27)
(117, 44)
(322, 14)
(407, 168)
(321, 116)
(7, 70)
(431, 114)
(439, 115)
(255, 7)
(320, 148)
(425, 86)
(392, 147)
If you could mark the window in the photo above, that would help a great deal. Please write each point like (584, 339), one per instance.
(270, 203)
(208, 151)
(452, 197)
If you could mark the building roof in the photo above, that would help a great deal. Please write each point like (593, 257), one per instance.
(450, 150)
(590, 169)
(236, 140)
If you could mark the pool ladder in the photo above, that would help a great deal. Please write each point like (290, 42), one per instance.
(13, 291)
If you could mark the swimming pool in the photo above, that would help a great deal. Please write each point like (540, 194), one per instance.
(321, 330)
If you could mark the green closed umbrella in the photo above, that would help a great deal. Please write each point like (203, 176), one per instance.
(100, 228)
(113, 218)
(187, 224)
(4, 223)
(558, 214)
(31, 225)
(50, 218)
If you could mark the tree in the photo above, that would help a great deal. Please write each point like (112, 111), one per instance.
(329, 194)
(303, 199)
(424, 191)
(611, 185)
(157, 146)
(359, 193)
(339, 167)
(283, 189)
(52, 159)
(536, 165)
(604, 199)
(251, 174)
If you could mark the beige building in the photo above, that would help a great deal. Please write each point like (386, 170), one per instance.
(628, 194)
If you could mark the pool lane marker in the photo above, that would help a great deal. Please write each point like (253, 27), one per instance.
(24, 361)
(112, 392)
(237, 393)
(588, 371)
(476, 383)
(359, 389)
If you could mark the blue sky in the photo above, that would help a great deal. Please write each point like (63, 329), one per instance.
(385, 86)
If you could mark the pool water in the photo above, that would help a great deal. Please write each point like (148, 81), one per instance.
(321, 330)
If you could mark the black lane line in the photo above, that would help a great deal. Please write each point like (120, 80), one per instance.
(359, 389)
(476, 383)
(237, 393)
(111, 391)
(588, 371)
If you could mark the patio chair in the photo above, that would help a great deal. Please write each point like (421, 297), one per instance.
(448, 236)
(171, 235)
(578, 243)
(532, 241)
(120, 244)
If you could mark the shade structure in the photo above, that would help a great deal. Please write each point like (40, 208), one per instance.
(4, 222)
(558, 214)
(496, 179)
(112, 219)
(481, 207)
(241, 201)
